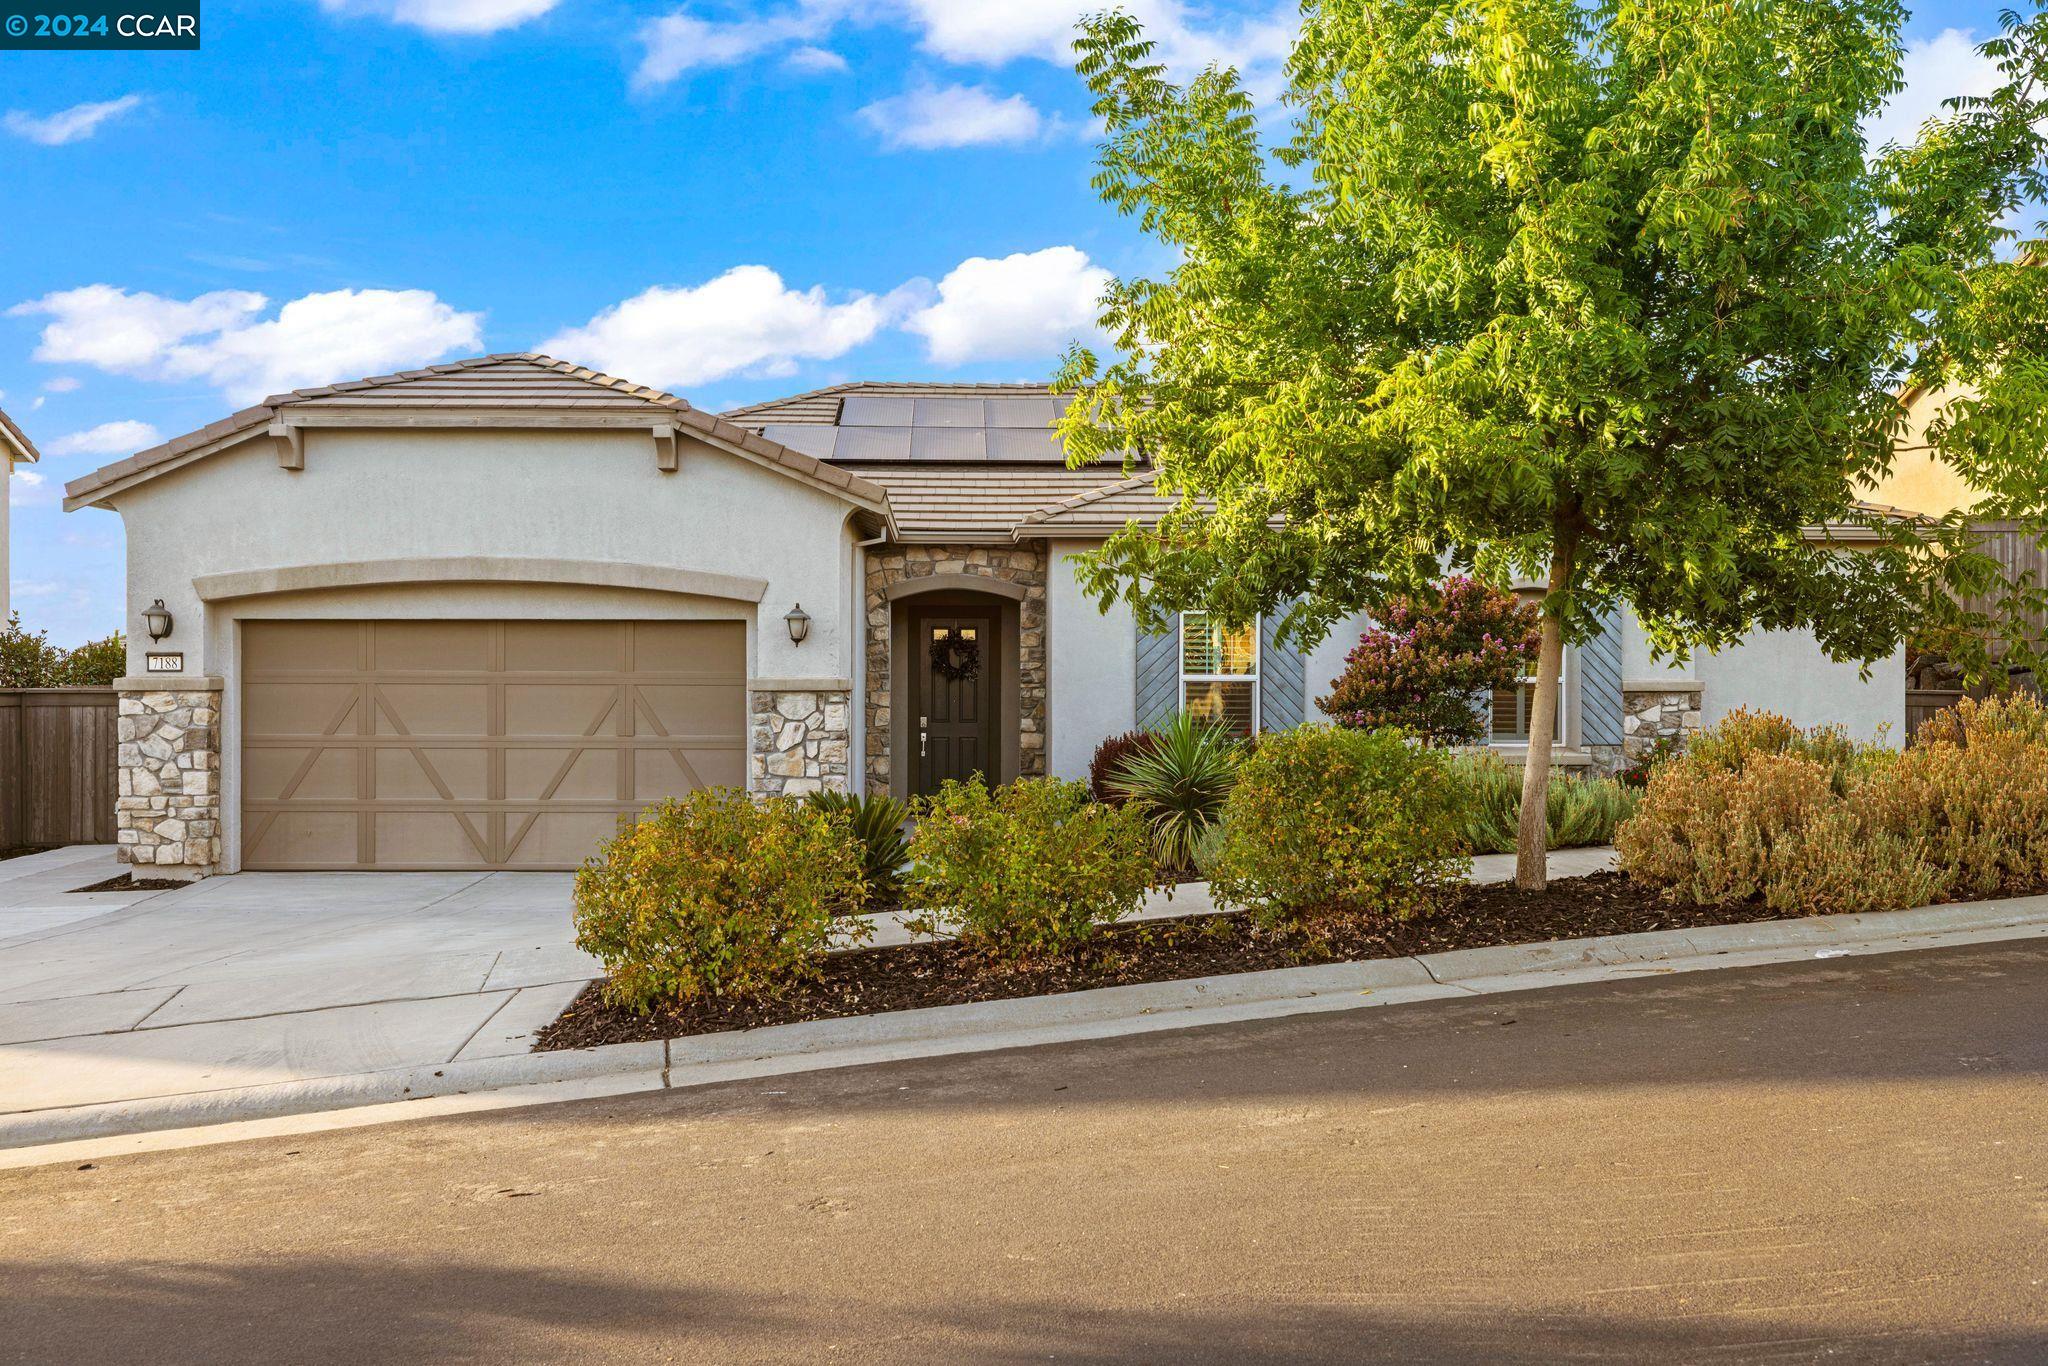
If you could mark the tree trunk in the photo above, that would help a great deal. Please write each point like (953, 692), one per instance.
(1532, 840)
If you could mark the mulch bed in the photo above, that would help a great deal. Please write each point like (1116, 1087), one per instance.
(870, 981)
(24, 850)
(128, 882)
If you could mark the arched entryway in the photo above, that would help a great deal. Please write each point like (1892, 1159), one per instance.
(955, 670)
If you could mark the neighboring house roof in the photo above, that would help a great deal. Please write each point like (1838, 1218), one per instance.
(14, 442)
(510, 388)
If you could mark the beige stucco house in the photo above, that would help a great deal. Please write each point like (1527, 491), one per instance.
(468, 616)
(15, 449)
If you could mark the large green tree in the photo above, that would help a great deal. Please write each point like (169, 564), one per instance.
(1612, 298)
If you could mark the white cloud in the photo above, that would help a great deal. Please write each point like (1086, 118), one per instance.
(218, 338)
(815, 60)
(75, 124)
(954, 116)
(29, 489)
(679, 43)
(745, 320)
(1026, 306)
(1935, 69)
(109, 438)
(447, 16)
(62, 384)
(981, 33)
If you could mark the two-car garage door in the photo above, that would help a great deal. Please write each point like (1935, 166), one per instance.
(477, 744)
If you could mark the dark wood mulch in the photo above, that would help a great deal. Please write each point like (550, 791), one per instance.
(128, 882)
(869, 981)
(24, 850)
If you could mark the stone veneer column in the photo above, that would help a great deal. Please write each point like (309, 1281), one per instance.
(801, 738)
(1653, 711)
(167, 813)
(1023, 565)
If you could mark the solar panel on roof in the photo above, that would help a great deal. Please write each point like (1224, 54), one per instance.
(872, 411)
(872, 443)
(1018, 443)
(948, 443)
(809, 437)
(948, 412)
(1036, 412)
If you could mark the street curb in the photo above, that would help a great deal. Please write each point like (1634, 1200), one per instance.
(1076, 1016)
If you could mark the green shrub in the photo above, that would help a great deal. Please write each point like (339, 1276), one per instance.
(1581, 811)
(1025, 872)
(1179, 783)
(715, 894)
(95, 664)
(878, 823)
(29, 660)
(1327, 821)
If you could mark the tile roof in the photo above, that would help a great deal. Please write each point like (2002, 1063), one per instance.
(23, 448)
(518, 382)
(1104, 508)
(951, 502)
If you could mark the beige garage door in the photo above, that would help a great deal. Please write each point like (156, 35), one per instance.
(477, 744)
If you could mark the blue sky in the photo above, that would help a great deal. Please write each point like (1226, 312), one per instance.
(731, 201)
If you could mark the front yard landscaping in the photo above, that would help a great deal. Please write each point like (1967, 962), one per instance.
(912, 976)
(1327, 845)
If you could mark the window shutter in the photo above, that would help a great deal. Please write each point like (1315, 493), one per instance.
(1158, 679)
(1283, 676)
(1600, 683)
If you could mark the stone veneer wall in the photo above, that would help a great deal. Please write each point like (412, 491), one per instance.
(801, 741)
(167, 813)
(1651, 713)
(1022, 565)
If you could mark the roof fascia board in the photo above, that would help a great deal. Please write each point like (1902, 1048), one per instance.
(82, 492)
(633, 417)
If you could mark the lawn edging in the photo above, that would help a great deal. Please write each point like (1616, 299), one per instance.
(1071, 1017)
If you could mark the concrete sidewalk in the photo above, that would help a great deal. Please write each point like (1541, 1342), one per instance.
(243, 984)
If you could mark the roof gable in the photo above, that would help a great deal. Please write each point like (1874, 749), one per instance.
(509, 389)
(14, 442)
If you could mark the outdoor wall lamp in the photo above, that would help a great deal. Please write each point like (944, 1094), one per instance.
(158, 618)
(799, 623)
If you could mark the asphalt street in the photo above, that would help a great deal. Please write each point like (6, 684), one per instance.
(1841, 1160)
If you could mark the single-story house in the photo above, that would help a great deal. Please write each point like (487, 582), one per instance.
(15, 449)
(468, 616)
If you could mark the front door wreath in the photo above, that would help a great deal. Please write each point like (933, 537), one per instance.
(955, 656)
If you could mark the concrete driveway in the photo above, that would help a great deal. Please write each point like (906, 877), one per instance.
(266, 977)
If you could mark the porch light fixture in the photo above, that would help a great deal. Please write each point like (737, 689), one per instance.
(157, 618)
(799, 623)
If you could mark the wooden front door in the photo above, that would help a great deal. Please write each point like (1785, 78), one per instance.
(955, 716)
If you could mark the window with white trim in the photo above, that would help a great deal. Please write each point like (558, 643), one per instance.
(1219, 671)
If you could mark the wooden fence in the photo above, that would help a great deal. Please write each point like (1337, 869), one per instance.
(1922, 703)
(57, 782)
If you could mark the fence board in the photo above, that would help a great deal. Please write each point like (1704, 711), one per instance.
(57, 777)
(1922, 703)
